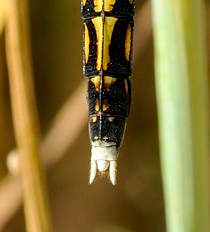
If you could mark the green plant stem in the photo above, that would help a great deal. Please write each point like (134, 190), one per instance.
(25, 117)
(183, 111)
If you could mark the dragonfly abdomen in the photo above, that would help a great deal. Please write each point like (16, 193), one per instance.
(107, 60)
(109, 106)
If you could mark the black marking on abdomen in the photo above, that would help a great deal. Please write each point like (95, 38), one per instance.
(89, 68)
(108, 95)
(118, 65)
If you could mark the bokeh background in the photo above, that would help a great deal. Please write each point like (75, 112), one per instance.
(136, 202)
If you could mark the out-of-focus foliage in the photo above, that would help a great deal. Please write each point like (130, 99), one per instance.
(183, 111)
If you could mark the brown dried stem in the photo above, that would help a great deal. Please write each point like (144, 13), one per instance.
(25, 117)
(3, 9)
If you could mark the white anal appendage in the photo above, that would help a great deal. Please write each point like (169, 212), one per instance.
(113, 172)
(93, 171)
(103, 159)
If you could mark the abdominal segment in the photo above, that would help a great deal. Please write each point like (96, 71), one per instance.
(107, 59)
(109, 106)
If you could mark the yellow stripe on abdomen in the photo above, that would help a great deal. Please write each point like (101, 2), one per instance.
(128, 42)
(108, 30)
(87, 44)
(98, 5)
(98, 24)
(109, 5)
(84, 2)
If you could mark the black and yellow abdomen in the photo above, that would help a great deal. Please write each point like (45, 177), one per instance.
(107, 63)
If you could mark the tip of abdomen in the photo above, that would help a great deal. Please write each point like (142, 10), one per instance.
(103, 160)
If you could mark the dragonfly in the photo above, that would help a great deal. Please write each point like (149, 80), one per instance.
(107, 65)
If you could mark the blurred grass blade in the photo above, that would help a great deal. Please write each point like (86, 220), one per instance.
(25, 117)
(183, 111)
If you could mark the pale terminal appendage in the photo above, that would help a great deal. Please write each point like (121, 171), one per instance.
(104, 159)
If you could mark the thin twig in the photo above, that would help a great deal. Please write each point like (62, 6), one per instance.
(67, 126)
(25, 117)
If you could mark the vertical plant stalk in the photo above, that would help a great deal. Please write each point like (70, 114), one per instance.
(3, 9)
(25, 116)
(2, 119)
(183, 111)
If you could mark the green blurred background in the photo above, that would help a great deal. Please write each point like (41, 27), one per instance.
(136, 203)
